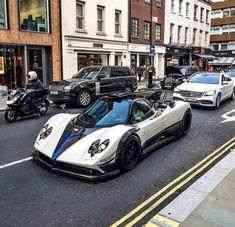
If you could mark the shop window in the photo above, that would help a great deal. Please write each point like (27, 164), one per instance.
(158, 32)
(80, 18)
(100, 19)
(134, 27)
(3, 14)
(147, 30)
(117, 22)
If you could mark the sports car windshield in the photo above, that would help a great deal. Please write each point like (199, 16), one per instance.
(105, 113)
(86, 73)
(205, 78)
(232, 74)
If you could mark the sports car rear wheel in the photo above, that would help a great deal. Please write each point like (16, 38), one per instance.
(130, 153)
(186, 122)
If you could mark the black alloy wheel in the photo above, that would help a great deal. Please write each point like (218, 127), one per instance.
(217, 102)
(130, 153)
(186, 122)
(128, 89)
(84, 98)
(11, 114)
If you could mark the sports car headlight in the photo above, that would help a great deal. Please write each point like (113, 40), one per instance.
(98, 147)
(210, 93)
(45, 132)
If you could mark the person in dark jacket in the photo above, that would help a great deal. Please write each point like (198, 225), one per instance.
(140, 71)
(34, 87)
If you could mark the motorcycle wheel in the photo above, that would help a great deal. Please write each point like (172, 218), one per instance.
(11, 114)
(45, 108)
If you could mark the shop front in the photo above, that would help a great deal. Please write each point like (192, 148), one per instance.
(16, 61)
(139, 55)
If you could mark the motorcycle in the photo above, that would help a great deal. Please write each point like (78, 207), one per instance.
(19, 103)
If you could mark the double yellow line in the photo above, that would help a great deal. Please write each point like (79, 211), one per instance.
(193, 171)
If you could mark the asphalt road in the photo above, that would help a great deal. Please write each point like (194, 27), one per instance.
(33, 196)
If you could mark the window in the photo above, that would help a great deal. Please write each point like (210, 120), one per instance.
(3, 14)
(225, 29)
(226, 13)
(100, 19)
(215, 30)
(232, 12)
(186, 35)
(158, 32)
(194, 36)
(206, 38)
(224, 46)
(80, 15)
(207, 16)
(117, 22)
(215, 14)
(140, 111)
(216, 47)
(180, 6)
(200, 37)
(34, 16)
(148, 1)
(187, 9)
(201, 14)
(147, 30)
(171, 32)
(179, 34)
(231, 47)
(159, 3)
(232, 29)
(134, 27)
(195, 12)
(173, 5)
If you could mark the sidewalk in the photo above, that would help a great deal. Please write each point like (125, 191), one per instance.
(3, 104)
(210, 201)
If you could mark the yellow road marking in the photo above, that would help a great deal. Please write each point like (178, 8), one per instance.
(151, 208)
(166, 221)
(150, 224)
(151, 198)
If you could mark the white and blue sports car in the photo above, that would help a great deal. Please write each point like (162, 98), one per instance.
(112, 134)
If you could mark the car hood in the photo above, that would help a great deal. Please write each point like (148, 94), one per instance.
(71, 81)
(199, 87)
(71, 144)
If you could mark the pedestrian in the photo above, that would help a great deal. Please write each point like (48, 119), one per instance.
(140, 71)
(210, 68)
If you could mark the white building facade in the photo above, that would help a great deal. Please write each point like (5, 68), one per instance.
(94, 32)
(187, 30)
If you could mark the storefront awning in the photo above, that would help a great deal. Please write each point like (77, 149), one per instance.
(206, 56)
(223, 61)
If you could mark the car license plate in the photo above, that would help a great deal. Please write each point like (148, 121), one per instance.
(54, 92)
(190, 99)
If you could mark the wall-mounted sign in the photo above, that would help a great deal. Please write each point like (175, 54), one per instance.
(99, 45)
(1, 65)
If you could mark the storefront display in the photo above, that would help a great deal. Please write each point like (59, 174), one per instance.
(3, 14)
(34, 15)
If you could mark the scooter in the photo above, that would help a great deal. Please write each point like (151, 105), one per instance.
(20, 105)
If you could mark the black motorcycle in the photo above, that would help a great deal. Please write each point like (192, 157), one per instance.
(19, 103)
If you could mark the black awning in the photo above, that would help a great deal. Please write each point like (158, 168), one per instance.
(206, 56)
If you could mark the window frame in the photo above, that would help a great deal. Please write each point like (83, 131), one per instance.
(195, 13)
(159, 3)
(102, 20)
(158, 32)
(119, 12)
(6, 16)
(137, 20)
(48, 10)
(187, 9)
(180, 7)
(147, 26)
(81, 17)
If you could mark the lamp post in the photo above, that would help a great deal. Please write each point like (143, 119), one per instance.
(151, 48)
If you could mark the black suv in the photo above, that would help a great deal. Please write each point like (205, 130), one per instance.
(90, 82)
(174, 76)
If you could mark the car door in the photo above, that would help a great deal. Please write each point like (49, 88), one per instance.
(147, 121)
(104, 81)
(117, 77)
(223, 89)
(230, 85)
(227, 87)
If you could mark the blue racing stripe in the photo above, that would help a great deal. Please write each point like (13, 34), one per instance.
(56, 153)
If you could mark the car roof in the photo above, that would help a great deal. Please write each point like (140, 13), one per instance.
(105, 66)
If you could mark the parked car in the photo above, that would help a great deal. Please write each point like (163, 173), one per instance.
(231, 73)
(174, 76)
(206, 89)
(92, 81)
(111, 135)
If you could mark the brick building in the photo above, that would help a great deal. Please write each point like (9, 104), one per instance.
(223, 34)
(140, 32)
(29, 40)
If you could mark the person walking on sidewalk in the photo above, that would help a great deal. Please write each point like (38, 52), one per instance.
(140, 71)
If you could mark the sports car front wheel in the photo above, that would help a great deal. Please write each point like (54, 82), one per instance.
(186, 122)
(130, 153)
